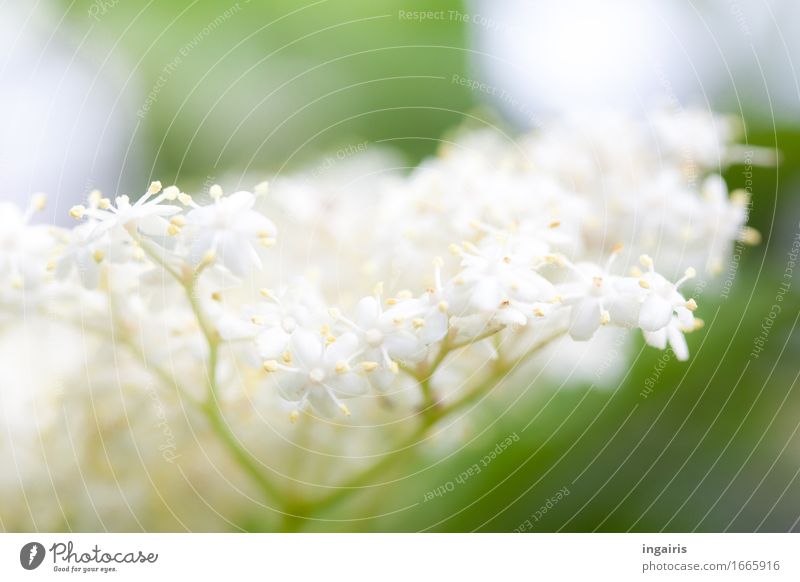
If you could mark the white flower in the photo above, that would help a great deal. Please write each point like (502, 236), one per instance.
(697, 137)
(662, 299)
(429, 314)
(386, 338)
(599, 298)
(672, 333)
(226, 229)
(24, 248)
(723, 218)
(541, 213)
(146, 215)
(83, 255)
(284, 312)
(386, 334)
(320, 373)
(104, 237)
(498, 279)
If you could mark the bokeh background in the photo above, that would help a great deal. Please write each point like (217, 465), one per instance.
(110, 94)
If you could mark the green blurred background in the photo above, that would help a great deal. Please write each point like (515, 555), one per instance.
(713, 447)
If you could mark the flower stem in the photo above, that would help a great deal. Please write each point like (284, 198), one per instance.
(211, 406)
(234, 446)
(424, 371)
(213, 411)
(430, 417)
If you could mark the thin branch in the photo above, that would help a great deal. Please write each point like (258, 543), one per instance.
(356, 483)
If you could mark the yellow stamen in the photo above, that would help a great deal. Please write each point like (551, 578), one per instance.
(369, 366)
(171, 192)
(750, 236)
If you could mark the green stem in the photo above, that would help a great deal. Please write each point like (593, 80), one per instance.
(355, 483)
(432, 411)
(429, 401)
(434, 414)
(211, 407)
(243, 457)
(342, 492)
(424, 372)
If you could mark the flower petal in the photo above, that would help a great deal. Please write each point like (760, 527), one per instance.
(685, 317)
(404, 345)
(486, 295)
(254, 224)
(677, 342)
(203, 243)
(292, 385)
(367, 312)
(349, 385)
(236, 253)
(323, 402)
(510, 316)
(435, 327)
(239, 201)
(657, 339)
(623, 310)
(344, 348)
(306, 348)
(584, 319)
(271, 343)
(382, 379)
(655, 313)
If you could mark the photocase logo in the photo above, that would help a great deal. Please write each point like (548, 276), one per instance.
(31, 555)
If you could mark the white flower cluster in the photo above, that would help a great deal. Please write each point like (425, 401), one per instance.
(159, 325)
(499, 240)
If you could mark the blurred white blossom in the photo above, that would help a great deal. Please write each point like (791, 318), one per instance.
(383, 297)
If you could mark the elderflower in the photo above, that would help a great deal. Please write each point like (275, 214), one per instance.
(145, 215)
(276, 318)
(498, 279)
(24, 248)
(663, 299)
(599, 298)
(227, 229)
(321, 374)
(151, 303)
